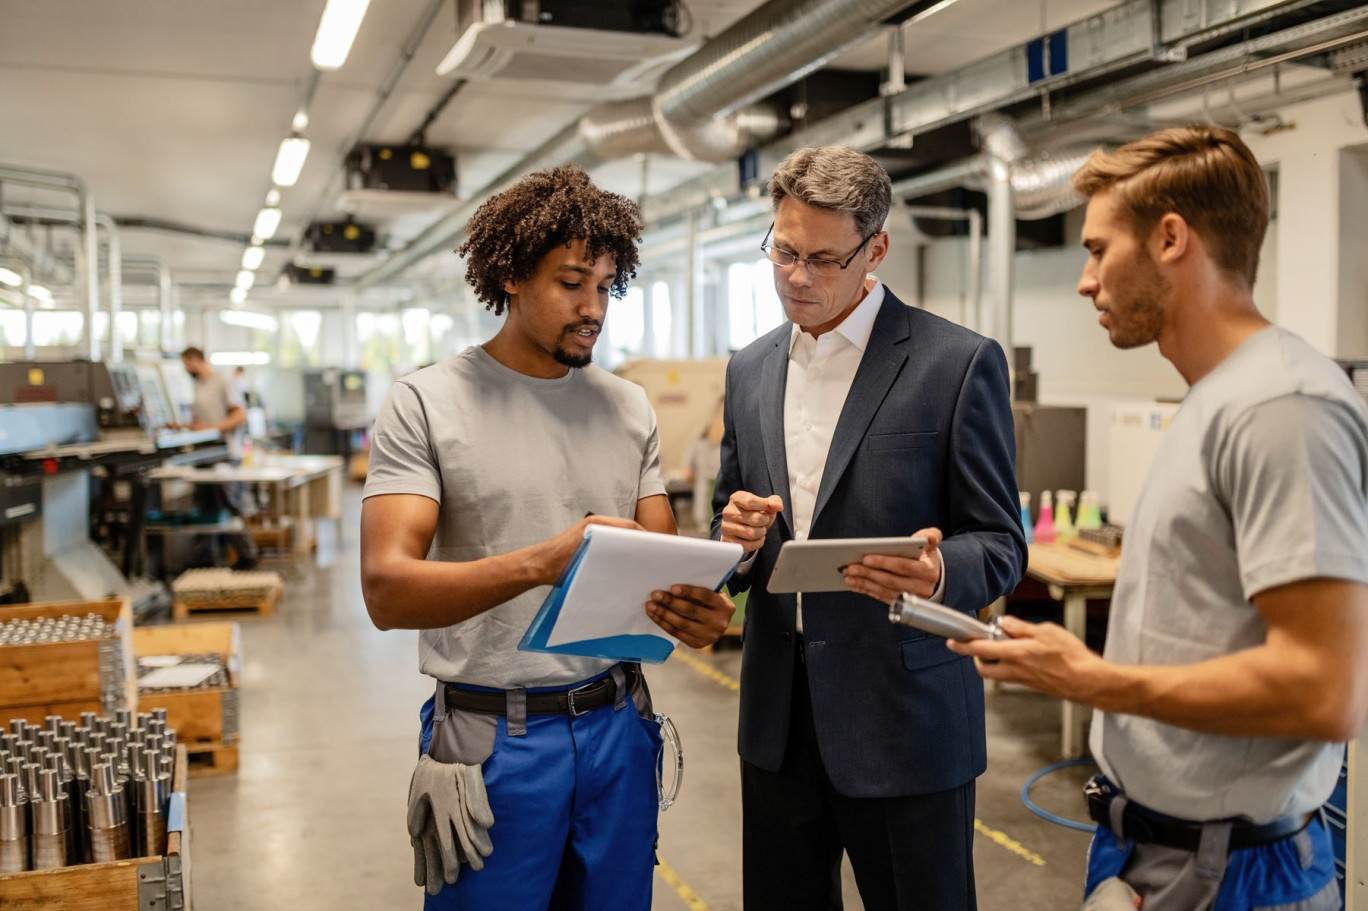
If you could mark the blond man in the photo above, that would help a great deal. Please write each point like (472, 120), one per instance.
(1236, 662)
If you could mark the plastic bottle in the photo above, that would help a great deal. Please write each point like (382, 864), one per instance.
(1088, 514)
(248, 456)
(1026, 525)
(1063, 517)
(1045, 526)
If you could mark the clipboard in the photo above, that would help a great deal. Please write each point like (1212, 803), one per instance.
(714, 561)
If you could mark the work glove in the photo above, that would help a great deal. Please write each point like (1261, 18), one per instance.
(448, 821)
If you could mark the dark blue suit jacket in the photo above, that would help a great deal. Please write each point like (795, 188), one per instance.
(925, 439)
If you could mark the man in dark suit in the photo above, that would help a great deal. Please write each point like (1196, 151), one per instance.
(861, 417)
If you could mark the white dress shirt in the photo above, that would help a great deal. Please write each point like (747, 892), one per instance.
(821, 371)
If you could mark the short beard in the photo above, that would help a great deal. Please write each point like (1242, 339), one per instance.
(1143, 309)
(574, 361)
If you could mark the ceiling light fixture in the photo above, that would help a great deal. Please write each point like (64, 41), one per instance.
(267, 220)
(248, 319)
(238, 296)
(11, 278)
(245, 279)
(337, 30)
(41, 294)
(273, 197)
(300, 122)
(290, 160)
(252, 257)
(930, 11)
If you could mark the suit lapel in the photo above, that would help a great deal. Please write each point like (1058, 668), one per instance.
(882, 362)
(773, 378)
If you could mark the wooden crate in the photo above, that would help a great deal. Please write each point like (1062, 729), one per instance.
(201, 717)
(67, 678)
(122, 885)
(262, 607)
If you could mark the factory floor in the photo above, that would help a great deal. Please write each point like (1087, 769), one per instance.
(314, 817)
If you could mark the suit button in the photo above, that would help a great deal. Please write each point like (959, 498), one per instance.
(788, 638)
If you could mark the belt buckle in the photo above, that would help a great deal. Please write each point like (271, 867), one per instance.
(575, 711)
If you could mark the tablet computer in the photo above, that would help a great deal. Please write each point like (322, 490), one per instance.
(819, 565)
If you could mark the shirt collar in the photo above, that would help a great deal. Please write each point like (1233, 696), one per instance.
(859, 325)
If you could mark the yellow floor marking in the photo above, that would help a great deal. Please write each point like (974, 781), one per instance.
(1001, 839)
(708, 671)
(681, 888)
(1011, 844)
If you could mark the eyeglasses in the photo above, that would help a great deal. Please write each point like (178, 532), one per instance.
(820, 267)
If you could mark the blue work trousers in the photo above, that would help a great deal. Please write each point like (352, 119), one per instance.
(1296, 873)
(575, 807)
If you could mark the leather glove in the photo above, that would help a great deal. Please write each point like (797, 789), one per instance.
(448, 821)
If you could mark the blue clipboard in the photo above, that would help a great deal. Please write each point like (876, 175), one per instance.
(646, 649)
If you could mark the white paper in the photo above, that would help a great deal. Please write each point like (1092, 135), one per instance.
(180, 676)
(622, 566)
(159, 660)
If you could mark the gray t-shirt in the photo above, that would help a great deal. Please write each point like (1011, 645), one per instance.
(512, 460)
(215, 396)
(1261, 480)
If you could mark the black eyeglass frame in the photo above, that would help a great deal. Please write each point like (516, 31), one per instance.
(807, 261)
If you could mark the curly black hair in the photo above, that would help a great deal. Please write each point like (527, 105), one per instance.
(513, 230)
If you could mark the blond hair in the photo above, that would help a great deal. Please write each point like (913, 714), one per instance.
(1205, 174)
(837, 178)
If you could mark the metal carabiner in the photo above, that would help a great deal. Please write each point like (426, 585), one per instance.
(669, 735)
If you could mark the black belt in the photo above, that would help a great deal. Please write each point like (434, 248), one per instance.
(565, 702)
(1143, 825)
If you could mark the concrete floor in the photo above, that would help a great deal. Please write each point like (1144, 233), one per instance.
(314, 817)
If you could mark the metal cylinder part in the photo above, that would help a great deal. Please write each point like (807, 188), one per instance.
(50, 813)
(108, 816)
(14, 830)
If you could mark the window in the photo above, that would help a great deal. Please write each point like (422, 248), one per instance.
(660, 319)
(417, 342)
(378, 337)
(753, 306)
(58, 327)
(624, 327)
(300, 338)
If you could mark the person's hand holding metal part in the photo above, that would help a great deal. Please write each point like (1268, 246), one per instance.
(1043, 656)
(693, 615)
(884, 578)
(746, 519)
(448, 821)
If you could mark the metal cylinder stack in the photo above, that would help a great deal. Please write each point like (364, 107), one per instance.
(90, 792)
(56, 629)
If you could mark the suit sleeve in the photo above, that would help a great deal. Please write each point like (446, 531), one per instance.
(984, 547)
(728, 477)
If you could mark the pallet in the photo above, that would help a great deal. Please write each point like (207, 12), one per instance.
(138, 884)
(212, 759)
(262, 607)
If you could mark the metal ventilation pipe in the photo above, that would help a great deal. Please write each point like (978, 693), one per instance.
(700, 111)
(90, 259)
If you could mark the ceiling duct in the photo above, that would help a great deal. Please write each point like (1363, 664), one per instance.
(703, 108)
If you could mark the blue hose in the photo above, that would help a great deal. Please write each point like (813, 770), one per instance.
(1046, 814)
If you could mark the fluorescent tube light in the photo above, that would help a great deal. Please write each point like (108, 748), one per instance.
(249, 319)
(336, 31)
(290, 160)
(237, 296)
(273, 197)
(267, 221)
(245, 279)
(930, 11)
(40, 294)
(11, 278)
(252, 257)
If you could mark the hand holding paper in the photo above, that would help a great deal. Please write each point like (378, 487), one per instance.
(595, 608)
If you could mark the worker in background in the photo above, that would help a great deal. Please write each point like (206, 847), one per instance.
(483, 469)
(861, 417)
(219, 406)
(1236, 663)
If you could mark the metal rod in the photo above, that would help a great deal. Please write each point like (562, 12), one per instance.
(1002, 249)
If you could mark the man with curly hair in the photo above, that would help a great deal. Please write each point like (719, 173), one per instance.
(485, 470)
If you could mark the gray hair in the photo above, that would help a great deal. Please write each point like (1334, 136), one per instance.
(837, 178)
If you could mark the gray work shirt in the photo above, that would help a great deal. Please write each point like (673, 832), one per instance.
(1261, 480)
(215, 397)
(513, 460)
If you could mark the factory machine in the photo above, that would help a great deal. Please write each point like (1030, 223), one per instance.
(76, 441)
(334, 410)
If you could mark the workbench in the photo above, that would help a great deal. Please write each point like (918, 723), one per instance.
(303, 489)
(1072, 577)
